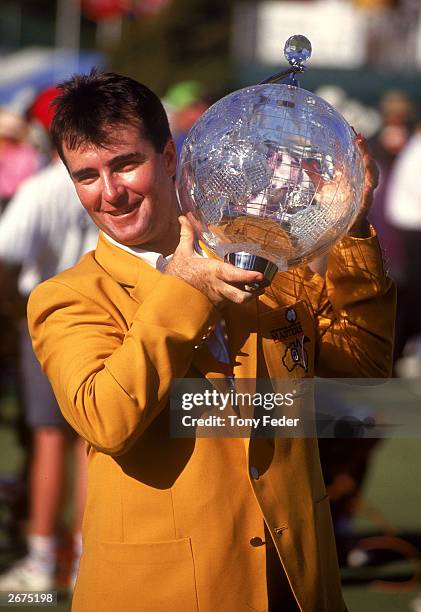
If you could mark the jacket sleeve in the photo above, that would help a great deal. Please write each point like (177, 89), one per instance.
(111, 383)
(356, 314)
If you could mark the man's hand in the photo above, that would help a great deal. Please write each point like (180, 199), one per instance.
(219, 281)
(361, 228)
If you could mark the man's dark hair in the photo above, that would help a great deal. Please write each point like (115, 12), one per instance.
(89, 104)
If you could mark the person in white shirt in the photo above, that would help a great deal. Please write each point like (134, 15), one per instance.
(44, 230)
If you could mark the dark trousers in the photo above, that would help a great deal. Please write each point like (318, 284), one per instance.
(280, 595)
(408, 323)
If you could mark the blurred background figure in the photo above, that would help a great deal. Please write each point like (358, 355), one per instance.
(45, 230)
(397, 112)
(185, 102)
(18, 158)
(403, 210)
(40, 114)
(388, 129)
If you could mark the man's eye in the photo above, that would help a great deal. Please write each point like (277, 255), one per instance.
(86, 179)
(126, 167)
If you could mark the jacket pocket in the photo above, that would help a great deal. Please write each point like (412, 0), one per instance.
(146, 577)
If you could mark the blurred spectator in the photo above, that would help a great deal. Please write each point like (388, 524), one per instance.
(397, 115)
(186, 102)
(345, 461)
(18, 159)
(40, 114)
(403, 210)
(45, 230)
(42, 110)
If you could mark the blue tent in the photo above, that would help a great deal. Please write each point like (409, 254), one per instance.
(26, 72)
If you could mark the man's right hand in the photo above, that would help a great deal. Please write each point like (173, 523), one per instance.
(217, 280)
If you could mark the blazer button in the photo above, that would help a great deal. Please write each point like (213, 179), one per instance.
(254, 472)
(256, 541)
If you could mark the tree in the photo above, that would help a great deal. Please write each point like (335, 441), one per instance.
(188, 40)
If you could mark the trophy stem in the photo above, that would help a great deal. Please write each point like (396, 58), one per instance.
(248, 261)
(287, 77)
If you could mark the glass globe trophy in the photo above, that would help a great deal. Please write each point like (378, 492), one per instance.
(270, 176)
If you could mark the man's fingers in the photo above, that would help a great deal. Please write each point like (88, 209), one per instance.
(186, 244)
(371, 168)
(219, 281)
(236, 295)
(230, 274)
(372, 172)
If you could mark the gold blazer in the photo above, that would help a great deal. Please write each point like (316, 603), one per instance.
(178, 524)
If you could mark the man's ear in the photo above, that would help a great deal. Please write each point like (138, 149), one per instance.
(170, 157)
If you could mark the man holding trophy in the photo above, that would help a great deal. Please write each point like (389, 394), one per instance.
(200, 524)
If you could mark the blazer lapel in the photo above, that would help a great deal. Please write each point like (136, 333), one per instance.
(241, 323)
(139, 278)
(128, 270)
(242, 339)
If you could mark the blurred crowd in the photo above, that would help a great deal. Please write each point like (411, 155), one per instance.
(43, 230)
(393, 131)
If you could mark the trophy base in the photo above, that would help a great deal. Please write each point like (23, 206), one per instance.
(248, 261)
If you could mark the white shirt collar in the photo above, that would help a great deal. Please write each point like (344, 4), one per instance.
(149, 257)
(156, 260)
(217, 342)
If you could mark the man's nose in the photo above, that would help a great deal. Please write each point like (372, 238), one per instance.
(111, 189)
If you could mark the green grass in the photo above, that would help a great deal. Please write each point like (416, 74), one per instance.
(393, 484)
(365, 599)
(393, 490)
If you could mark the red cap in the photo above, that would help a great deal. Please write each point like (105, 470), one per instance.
(41, 108)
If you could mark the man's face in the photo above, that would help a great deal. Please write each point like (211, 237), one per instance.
(127, 188)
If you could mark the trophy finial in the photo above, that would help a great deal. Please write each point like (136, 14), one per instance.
(297, 49)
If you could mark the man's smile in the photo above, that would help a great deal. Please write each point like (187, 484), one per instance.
(124, 211)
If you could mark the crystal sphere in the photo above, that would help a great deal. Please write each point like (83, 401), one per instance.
(271, 170)
(297, 49)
